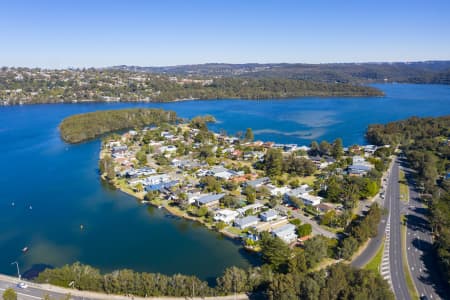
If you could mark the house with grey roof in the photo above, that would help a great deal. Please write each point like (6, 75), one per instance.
(246, 222)
(286, 233)
(258, 182)
(268, 215)
(209, 200)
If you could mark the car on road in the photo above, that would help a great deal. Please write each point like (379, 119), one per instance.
(22, 285)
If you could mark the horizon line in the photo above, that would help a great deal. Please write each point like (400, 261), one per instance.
(227, 63)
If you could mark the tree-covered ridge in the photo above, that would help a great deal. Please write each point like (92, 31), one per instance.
(437, 72)
(27, 86)
(83, 127)
(426, 144)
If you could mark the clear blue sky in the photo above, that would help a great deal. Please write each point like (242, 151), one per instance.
(81, 33)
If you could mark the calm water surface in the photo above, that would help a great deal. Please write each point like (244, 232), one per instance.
(61, 184)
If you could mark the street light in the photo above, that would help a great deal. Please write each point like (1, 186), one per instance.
(18, 271)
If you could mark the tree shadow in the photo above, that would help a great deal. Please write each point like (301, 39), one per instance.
(431, 275)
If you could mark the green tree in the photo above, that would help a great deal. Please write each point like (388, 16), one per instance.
(250, 192)
(304, 230)
(249, 137)
(348, 247)
(324, 147)
(337, 150)
(274, 251)
(314, 148)
(316, 249)
(9, 294)
(273, 162)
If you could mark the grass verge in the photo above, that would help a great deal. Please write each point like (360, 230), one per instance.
(404, 191)
(409, 282)
(375, 263)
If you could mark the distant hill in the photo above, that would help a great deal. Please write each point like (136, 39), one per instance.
(404, 72)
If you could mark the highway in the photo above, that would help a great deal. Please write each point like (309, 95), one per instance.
(419, 243)
(395, 248)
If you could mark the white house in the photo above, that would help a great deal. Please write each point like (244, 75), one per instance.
(226, 215)
(310, 199)
(155, 179)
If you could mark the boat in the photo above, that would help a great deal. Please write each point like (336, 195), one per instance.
(24, 249)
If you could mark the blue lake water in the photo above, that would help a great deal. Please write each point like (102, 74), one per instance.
(61, 184)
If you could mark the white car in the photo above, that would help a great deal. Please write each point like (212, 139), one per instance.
(22, 285)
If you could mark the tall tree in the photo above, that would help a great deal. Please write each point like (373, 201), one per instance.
(249, 137)
(337, 150)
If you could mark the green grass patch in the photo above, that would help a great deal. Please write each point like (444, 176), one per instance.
(375, 263)
(409, 281)
(404, 190)
(234, 230)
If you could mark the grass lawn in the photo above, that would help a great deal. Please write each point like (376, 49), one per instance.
(234, 230)
(409, 282)
(309, 180)
(404, 191)
(375, 263)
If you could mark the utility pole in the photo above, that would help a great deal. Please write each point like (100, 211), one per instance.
(193, 291)
(18, 271)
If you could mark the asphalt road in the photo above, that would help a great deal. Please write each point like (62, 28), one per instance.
(31, 292)
(419, 243)
(374, 243)
(395, 249)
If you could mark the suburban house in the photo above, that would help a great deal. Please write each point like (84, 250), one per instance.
(278, 191)
(160, 186)
(286, 233)
(209, 200)
(246, 222)
(303, 189)
(223, 173)
(253, 208)
(155, 179)
(268, 215)
(311, 200)
(258, 182)
(170, 148)
(359, 167)
(226, 215)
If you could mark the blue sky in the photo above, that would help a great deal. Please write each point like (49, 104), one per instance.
(81, 33)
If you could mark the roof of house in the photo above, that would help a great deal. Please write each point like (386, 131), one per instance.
(285, 229)
(226, 212)
(250, 206)
(246, 220)
(269, 213)
(210, 198)
(258, 181)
